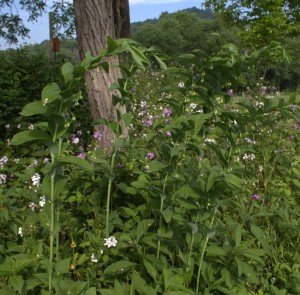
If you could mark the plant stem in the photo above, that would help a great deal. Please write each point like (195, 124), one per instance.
(108, 197)
(161, 209)
(52, 214)
(203, 251)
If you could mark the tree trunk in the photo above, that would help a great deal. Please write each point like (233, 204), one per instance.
(94, 22)
(121, 18)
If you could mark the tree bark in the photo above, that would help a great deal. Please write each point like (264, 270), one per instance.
(95, 21)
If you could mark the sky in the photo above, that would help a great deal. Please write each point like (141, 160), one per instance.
(140, 10)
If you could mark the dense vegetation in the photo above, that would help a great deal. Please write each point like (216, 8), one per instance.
(201, 198)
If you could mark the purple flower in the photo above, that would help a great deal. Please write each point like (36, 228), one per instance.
(255, 197)
(81, 155)
(151, 155)
(168, 133)
(148, 123)
(167, 112)
(81, 148)
(74, 139)
(230, 92)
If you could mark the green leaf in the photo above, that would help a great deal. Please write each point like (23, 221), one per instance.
(127, 118)
(155, 166)
(167, 214)
(67, 71)
(150, 269)
(141, 286)
(215, 251)
(34, 108)
(119, 267)
(126, 212)
(233, 180)
(29, 135)
(17, 283)
(142, 227)
(188, 204)
(111, 45)
(63, 266)
(50, 93)
(138, 56)
(211, 180)
(91, 291)
(77, 161)
(7, 291)
(160, 62)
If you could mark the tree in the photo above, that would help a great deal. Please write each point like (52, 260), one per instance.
(262, 21)
(94, 21)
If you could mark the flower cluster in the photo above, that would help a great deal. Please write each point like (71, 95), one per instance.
(36, 178)
(2, 178)
(3, 161)
(110, 242)
(249, 157)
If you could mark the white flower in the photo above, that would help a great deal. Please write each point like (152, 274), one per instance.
(110, 242)
(2, 178)
(31, 127)
(181, 84)
(31, 205)
(211, 140)
(36, 179)
(20, 231)
(42, 201)
(94, 258)
(7, 126)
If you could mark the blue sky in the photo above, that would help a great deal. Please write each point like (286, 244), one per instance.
(140, 10)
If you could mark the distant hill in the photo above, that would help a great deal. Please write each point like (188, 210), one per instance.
(201, 13)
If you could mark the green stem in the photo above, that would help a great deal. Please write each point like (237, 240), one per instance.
(52, 208)
(203, 252)
(108, 197)
(160, 218)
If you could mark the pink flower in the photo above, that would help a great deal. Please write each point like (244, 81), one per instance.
(151, 155)
(81, 155)
(168, 133)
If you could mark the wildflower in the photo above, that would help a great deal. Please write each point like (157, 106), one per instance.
(7, 126)
(35, 162)
(167, 112)
(31, 127)
(168, 133)
(16, 160)
(73, 245)
(210, 140)
(81, 156)
(110, 242)
(46, 160)
(148, 122)
(181, 84)
(74, 139)
(19, 126)
(230, 92)
(42, 201)
(94, 258)
(20, 231)
(81, 148)
(151, 155)
(36, 179)
(250, 157)
(192, 106)
(255, 197)
(31, 205)
(3, 161)
(2, 178)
